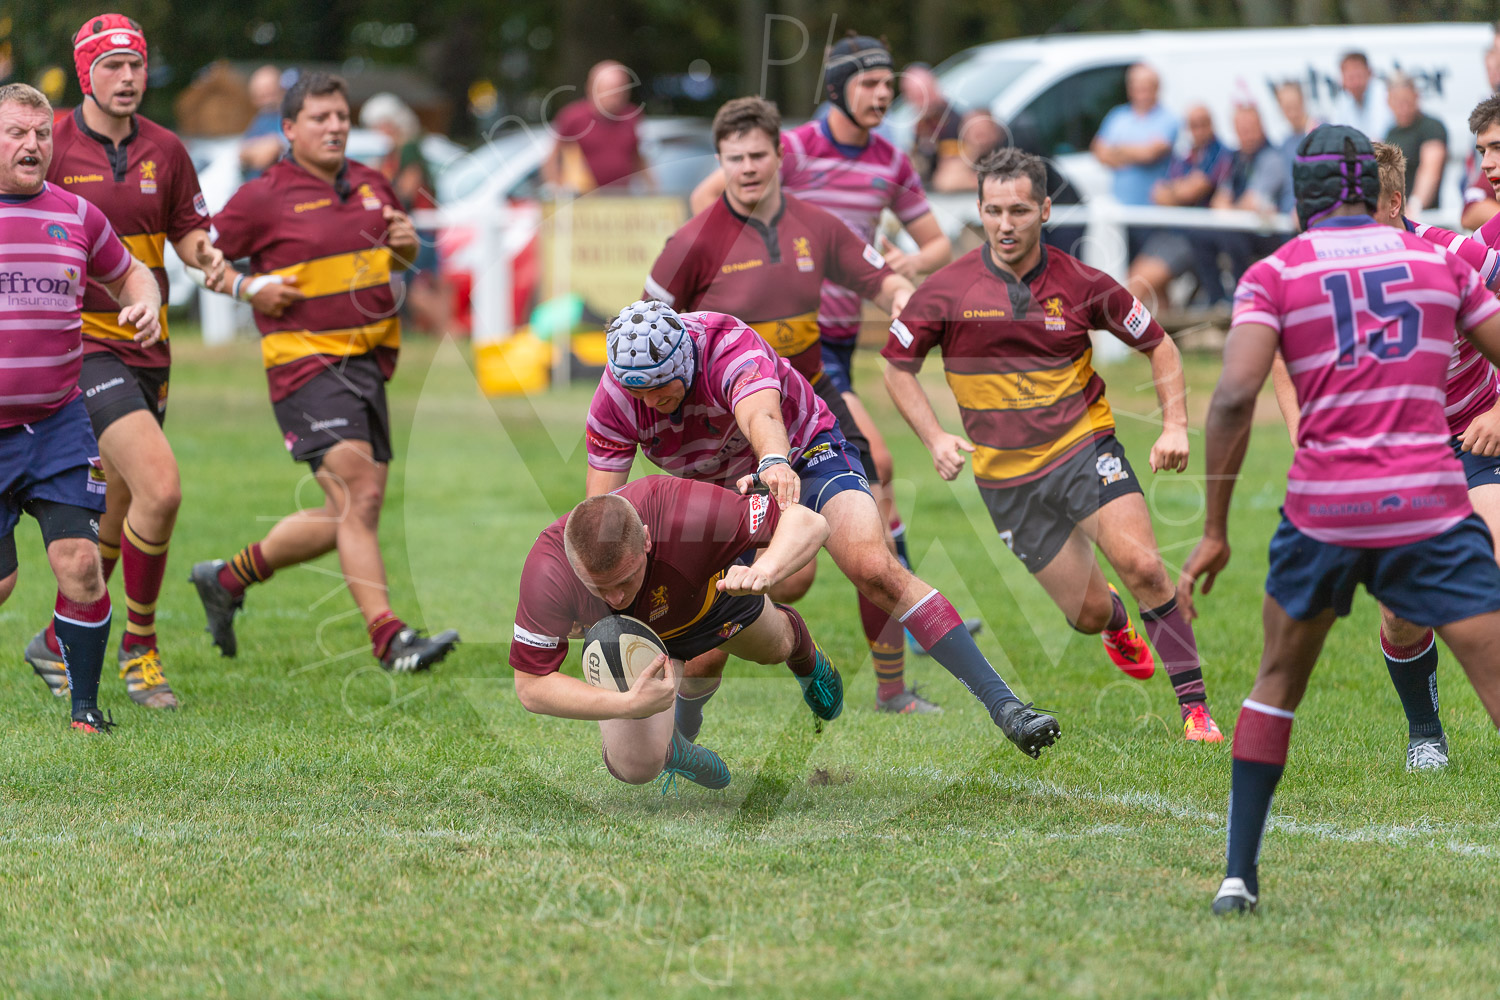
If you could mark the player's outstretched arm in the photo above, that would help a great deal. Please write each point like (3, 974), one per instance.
(567, 697)
(758, 416)
(798, 536)
(1171, 449)
(1248, 354)
(597, 482)
(934, 249)
(140, 299)
(949, 451)
(894, 291)
(1286, 397)
(198, 251)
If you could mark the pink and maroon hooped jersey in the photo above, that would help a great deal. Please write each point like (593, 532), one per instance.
(702, 440)
(1366, 316)
(50, 244)
(1473, 386)
(854, 185)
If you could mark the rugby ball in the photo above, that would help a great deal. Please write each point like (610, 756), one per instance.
(616, 650)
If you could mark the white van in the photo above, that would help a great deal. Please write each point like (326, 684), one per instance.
(1054, 91)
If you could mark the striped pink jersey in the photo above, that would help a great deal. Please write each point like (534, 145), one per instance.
(854, 184)
(1472, 383)
(701, 440)
(1366, 316)
(48, 242)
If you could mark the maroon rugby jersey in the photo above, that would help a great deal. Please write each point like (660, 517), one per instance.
(696, 529)
(1017, 355)
(148, 189)
(332, 238)
(770, 276)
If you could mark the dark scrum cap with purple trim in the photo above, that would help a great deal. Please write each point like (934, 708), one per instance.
(1335, 165)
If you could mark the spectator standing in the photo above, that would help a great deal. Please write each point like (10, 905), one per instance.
(1362, 104)
(262, 144)
(1421, 137)
(978, 135)
(937, 135)
(597, 142)
(1135, 140)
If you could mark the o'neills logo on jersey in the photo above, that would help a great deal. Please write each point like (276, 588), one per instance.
(743, 265)
(17, 283)
(308, 206)
(83, 178)
(984, 314)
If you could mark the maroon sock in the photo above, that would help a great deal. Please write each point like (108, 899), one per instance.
(248, 566)
(1172, 637)
(52, 639)
(143, 563)
(382, 630)
(1118, 616)
(802, 658)
(109, 555)
(883, 633)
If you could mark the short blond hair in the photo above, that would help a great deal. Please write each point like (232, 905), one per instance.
(602, 532)
(1392, 164)
(26, 96)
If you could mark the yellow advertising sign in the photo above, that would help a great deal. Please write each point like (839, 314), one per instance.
(602, 247)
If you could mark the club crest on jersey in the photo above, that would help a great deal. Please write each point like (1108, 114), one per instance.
(1052, 315)
(728, 629)
(371, 203)
(148, 177)
(659, 605)
(803, 249)
(57, 232)
(1110, 468)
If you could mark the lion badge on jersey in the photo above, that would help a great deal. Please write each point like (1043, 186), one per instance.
(1052, 315)
(658, 602)
(371, 203)
(1110, 468)
(802, 247)
(148, 177)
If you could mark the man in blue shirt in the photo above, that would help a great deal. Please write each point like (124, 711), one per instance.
(1135, 140)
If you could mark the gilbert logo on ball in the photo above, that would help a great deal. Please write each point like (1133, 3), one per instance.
(616, 649)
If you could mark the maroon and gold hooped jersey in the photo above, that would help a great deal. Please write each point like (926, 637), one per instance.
(331, 238)
(148, 190)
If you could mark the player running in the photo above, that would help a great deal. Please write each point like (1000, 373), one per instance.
(140, 176)
(1473, 412)
(705, 398)
(51, 243)
(323, 234)
(666, 551)
(842, 166)
(1012, 319)
(1364, 317)
(763, 256)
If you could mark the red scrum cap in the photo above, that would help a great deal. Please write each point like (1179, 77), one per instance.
(102, 36)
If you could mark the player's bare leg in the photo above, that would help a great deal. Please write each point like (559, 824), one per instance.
(8, 586)
(906, 602)
(637, 751)
(1475, 643)
(355, 486)
(1261, 738)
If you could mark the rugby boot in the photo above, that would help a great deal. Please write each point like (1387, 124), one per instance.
(699, 765)
(92, 720)
(823, 689)
(144, 681)
(47, 665)
(1425, 753)
(1234, 897)
(1199, 727)
(908, 702)
(1127, 650)
(218, 604)
(411, 650)
(1027, 728)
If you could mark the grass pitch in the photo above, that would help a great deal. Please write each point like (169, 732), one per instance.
(307, 826)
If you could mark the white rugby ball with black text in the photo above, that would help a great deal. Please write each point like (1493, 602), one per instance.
(616, 650)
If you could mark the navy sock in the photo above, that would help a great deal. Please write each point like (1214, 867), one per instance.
(898, 533)
(939, 630)
(83, 634)
(1413, 671)
(690, 714)
(1261, 738)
